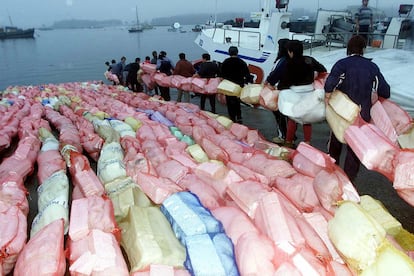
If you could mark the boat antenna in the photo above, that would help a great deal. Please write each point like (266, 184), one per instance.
(215, 15)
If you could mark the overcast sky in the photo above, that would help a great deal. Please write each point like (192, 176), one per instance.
(34, 13)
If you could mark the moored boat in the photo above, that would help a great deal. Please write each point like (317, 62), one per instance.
(138, 28)
(10, 32)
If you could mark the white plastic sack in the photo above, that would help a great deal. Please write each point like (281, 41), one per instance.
(303, 104)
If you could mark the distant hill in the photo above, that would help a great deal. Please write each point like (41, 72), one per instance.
(80, 24)
(183, 19)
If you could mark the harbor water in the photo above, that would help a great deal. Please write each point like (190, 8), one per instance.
(69, 55)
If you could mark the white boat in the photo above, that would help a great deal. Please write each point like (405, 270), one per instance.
(258, 46)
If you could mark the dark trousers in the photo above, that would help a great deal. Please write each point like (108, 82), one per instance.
(165, 93)
(281, 121)
(363, 31)
(352, 163)
(233, 108)
(211, 99)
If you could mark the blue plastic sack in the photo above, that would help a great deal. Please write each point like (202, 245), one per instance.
(188, 217)
(210, 255)
(158, 117)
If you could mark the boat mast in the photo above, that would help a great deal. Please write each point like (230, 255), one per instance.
(11, 23)
(136, 14)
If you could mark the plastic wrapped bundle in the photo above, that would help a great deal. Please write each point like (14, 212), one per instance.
(13, 229)
(93, 212)
(110, 163)
(158, 117)
(122, 128)
(148, 239)
(229, 88)
(98, 253)
(250, 93)
(124, 193)
(43, 254)
(53, 196)
(210, 254)
(188, 217)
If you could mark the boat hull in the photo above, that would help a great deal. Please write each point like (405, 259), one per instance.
(13, 34)
(135, 30)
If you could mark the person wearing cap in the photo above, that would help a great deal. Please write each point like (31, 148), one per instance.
(235, 69)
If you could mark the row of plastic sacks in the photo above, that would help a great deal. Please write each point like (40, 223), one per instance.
(382, 145)
(304, 104)
(204, 145)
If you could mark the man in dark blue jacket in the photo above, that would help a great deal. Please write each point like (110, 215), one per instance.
(358, 77)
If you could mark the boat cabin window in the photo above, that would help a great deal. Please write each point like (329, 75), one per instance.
(405, 10)
(281, 4)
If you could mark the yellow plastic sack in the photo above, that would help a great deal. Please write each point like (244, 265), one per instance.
(377, 210)
(250, 93)
(224, 121)
(134, 123)
(356, 235)
(344, 106)
(229, 88)
(124, 193)
(337, 124)
(406, 140)
(147, 238)
(197, 153)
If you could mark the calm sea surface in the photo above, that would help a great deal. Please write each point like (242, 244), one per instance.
(58, 56)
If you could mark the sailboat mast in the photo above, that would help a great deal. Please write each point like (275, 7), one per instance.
(136, 14)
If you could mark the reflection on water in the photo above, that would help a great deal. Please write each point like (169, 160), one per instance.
(57, 56)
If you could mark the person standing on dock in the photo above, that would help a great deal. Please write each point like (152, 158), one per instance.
(131, 79)
(186, 69)
(154, 60)
(273, 79)
(119, 70)
(356, 76)
(300, 72)
(363, 20)
(235, 69)
(208, 69)
(165, 65)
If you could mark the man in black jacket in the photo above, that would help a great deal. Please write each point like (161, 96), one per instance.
(235, 69)
(208, 69)
(131, 80)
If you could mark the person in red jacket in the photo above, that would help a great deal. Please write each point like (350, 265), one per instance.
(186, 69)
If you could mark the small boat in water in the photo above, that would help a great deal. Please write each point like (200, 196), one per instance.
(10, 32)
(138, 28)
(197, 28)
